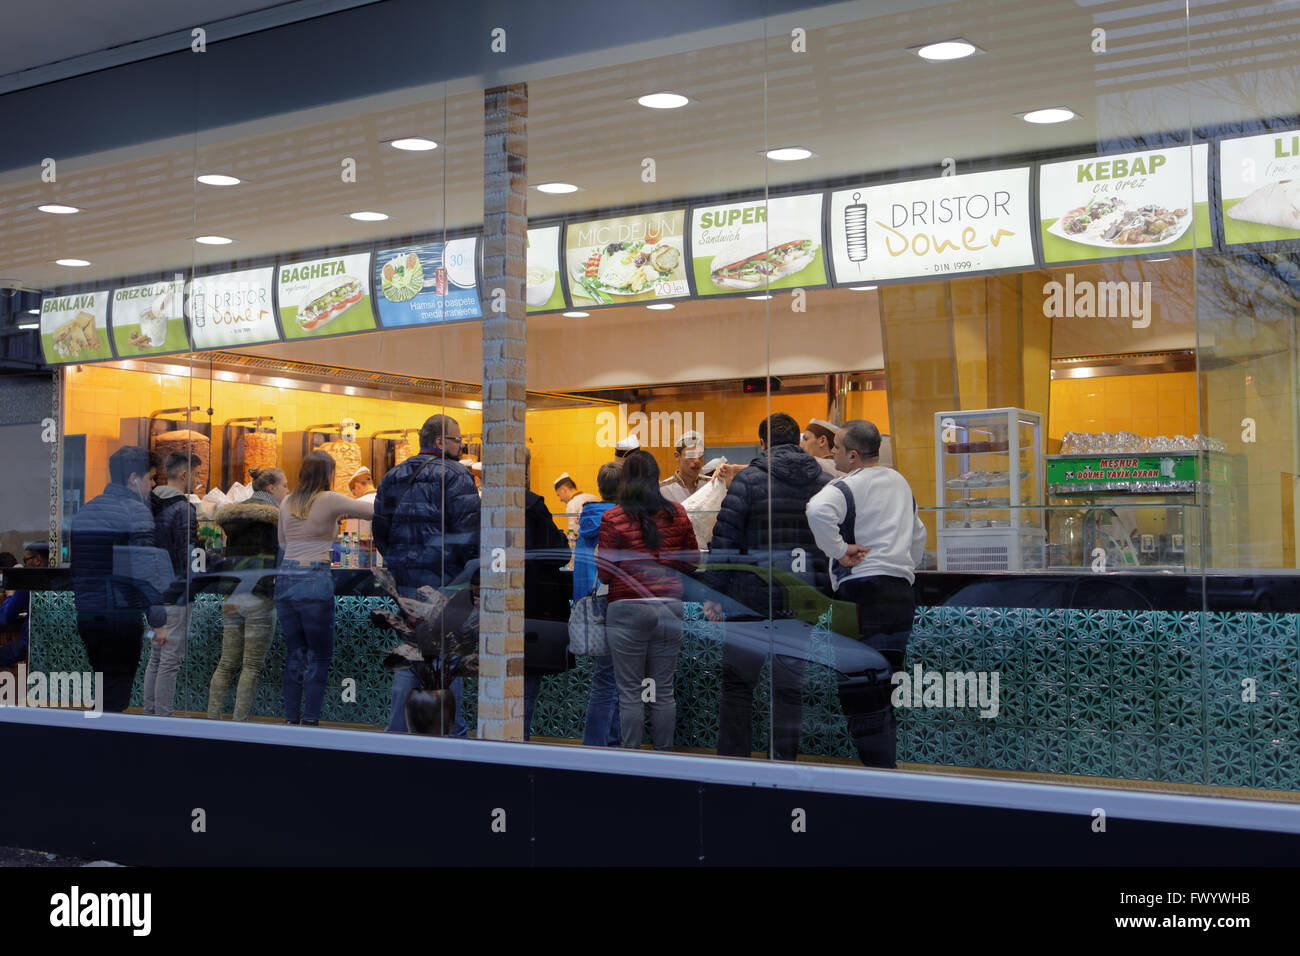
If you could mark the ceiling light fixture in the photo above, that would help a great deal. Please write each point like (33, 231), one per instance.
(30, 325)
(73, 263)
(213, 240)
(557, 188)
(954, 49)
(789, 154)
(861, 288)
(663, 101)
(368, 216)
(1055, 114)
(218, 179)
(576, 315)
(758, 298)
(33, 311)
(57, 209)
(660, 306)
(414, 144)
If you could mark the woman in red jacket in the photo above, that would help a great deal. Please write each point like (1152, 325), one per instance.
(650, 544)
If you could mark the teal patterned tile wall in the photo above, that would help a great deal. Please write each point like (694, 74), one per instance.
(1141, 695)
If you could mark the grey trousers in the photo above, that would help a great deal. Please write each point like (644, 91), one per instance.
(644, 638)
(165, 663)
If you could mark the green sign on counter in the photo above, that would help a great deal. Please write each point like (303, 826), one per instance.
(1153, 473)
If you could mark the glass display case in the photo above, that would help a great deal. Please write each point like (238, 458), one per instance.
(989, 487)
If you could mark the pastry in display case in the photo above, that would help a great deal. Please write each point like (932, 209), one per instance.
(988, 485)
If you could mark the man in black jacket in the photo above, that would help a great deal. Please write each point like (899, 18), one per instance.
(785, 479)
(546, 595)
(114, 590)
(177, 524)
(426, 526)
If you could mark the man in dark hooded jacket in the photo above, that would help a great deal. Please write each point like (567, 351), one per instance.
(114, 582)
(177, 524)
(788, 478)
(426, 525)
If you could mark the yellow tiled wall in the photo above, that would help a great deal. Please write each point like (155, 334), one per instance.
(98, 398)
(1149, 405)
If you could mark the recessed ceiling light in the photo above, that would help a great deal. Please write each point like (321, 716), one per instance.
(213, 240)
(30, 325)
(663, 101)
(861, 288)
(576, 315)
(557, 188)
(72, 262)
(33, 311)
(218, 179)
(954, 49)
(787, 154)
(1161, 259)
(1056, 114)
(414, 144)
(758, 298)
(368, 216)
(57, 209)
(659, 306)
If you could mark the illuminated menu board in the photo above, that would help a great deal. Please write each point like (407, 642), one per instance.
(1125, 204)
(758, 245)
(544, 292)
(1260, 187)
(629, 259)
(426, 283)
(74, 328)
(322, 297)
(231, 309)
(149, 319)
(948, 225)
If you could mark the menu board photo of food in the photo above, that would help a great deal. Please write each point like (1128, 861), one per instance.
(74, 328)
(427, 283)
(1260, 185)
(321, 297)
(150, 319)
(1125, 204)
(758, 245)
(543, 291)
(946, 225)
(231, 309)
(629, 259)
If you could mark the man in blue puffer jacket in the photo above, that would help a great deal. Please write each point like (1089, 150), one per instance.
(426, 526)
(112, 536)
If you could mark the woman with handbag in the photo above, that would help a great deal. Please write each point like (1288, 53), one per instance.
(647, 546)
(304, 588)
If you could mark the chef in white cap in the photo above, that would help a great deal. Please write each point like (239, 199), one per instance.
(689, 454)
(566, 489)
(817, 440)
(362, 486)
(629, 444)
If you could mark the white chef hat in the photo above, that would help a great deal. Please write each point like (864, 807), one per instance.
(630, 443)
(564, 476)
(362, 472)
(823, 429)
(691, 445)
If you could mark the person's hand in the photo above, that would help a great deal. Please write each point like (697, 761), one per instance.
(713, 610)
(160, 636)
(854, 555)
(728, 472)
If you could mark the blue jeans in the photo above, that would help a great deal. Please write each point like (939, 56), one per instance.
(405, 681)
(601, 728)
(304, 601)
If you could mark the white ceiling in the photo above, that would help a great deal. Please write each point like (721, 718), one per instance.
(857, 98)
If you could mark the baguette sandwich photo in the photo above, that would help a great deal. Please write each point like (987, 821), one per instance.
(756, 259)
(328, 301)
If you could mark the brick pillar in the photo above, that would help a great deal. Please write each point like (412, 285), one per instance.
(501, 611)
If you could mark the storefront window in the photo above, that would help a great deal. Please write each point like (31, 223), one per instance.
(889, 405)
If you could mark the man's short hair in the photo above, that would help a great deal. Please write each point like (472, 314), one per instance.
(607, 480)
(863, 437)
(127, 461)
(783, 429)
(179, 461)
(435, 427)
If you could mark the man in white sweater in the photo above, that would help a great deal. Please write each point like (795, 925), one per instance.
(867, 524)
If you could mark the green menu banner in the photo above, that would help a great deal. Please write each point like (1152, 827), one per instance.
(1127, 468)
